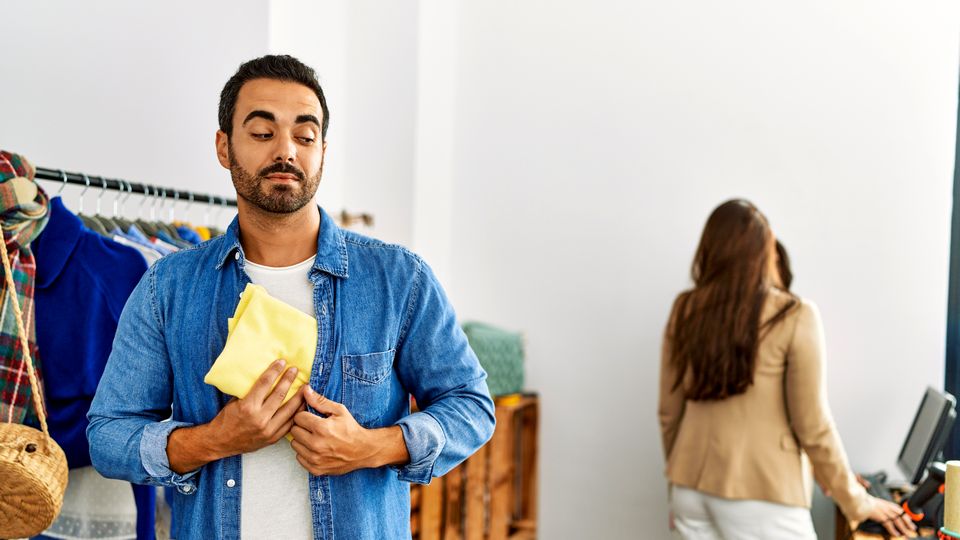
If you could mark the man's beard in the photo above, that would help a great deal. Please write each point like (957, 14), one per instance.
(273, 198)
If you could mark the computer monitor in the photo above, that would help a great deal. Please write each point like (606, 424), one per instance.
(928, 434)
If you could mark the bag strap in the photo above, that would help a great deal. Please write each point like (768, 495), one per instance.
(24, 343)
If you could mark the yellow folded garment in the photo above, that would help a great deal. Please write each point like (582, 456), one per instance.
(204, 232)
(261, 331)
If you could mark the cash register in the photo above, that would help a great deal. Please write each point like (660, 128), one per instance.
(923, 446)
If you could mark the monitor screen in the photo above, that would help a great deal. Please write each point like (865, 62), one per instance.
(927, 435)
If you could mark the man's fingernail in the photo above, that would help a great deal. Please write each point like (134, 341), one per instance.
(293, 370)
(281, 362)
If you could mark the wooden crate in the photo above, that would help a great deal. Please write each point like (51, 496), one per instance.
(493, 494)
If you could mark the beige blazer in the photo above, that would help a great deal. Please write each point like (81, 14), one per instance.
(759, 444)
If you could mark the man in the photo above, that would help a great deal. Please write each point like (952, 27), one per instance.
(385, 330)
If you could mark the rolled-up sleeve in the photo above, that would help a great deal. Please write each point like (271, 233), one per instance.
(436, 364)
(128, 430)
(424, 438)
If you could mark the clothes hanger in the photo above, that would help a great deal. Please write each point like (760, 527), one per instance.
(63, 175)
(164, 226)
(201, 230)
(206, 211)
(96, 214)
(135, 228)
(145, 226)
(126, 190)
(171, 221)
(215, 231)
(107, 223)
(187, 211)
(183, 227)
(88, 221)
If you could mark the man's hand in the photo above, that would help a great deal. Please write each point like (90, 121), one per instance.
(261, 418)
(243, 425)
(337, 444)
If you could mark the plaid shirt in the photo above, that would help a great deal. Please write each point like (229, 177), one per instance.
(23, 214)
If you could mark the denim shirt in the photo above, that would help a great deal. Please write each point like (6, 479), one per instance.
(385, 331)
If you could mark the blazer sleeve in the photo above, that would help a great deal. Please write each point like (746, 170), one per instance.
(672, 401)
(810, 416)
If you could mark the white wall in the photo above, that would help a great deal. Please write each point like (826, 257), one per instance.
(365, 55)
(436, 123)
(380, 113)
(592, 141)
(317, 34)
(124, 90)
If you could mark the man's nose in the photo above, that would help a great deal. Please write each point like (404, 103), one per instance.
(285, 150)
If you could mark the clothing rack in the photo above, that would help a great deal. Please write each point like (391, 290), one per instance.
(116, 184)
(58, 175)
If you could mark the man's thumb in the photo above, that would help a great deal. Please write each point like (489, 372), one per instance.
(319, 402)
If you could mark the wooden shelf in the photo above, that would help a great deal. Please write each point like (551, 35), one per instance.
(493, 494)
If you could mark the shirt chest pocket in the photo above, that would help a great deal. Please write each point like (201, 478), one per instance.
(367, 385)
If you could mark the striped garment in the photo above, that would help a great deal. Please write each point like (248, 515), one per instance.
(23, 214)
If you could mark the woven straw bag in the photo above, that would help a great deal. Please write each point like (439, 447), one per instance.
(33, 468)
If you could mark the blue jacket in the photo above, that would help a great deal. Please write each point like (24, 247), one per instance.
(82, 282)
(385, 331)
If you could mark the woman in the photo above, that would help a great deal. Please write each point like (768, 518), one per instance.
(743, 407)
(784, 272)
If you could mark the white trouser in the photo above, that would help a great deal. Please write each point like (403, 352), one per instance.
(698, 516)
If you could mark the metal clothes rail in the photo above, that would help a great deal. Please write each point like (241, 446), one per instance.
(116, 184)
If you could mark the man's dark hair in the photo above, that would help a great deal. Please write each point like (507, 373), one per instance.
(277, 67)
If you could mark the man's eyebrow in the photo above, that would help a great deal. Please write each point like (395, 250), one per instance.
(259, 114)
(303, 118)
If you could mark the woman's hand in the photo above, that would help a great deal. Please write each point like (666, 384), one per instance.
(892, 517)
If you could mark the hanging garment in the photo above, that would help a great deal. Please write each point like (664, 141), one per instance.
(188, 234)
(137, 235)
(149, 254)
(23, 215)
(203, 232)
(91, 223)
(160, 243)
(96, 507)
(173, 241)
(83, 281)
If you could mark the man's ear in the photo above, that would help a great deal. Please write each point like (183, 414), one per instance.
(323, 156)
(223, 149)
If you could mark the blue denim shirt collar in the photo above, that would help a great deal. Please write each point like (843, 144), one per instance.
(331, 247)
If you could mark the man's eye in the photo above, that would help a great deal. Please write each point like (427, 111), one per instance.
(260, 135)
(307, 140)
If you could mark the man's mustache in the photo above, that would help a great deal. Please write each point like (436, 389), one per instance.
(284, 168)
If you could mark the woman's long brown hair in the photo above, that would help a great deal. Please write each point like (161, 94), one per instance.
(716, 328)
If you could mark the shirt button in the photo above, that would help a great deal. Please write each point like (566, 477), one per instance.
(231, 482)
(236, 256)
(187, 489)
(319, 495)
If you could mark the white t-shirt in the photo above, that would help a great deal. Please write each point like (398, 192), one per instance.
(275, 501)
